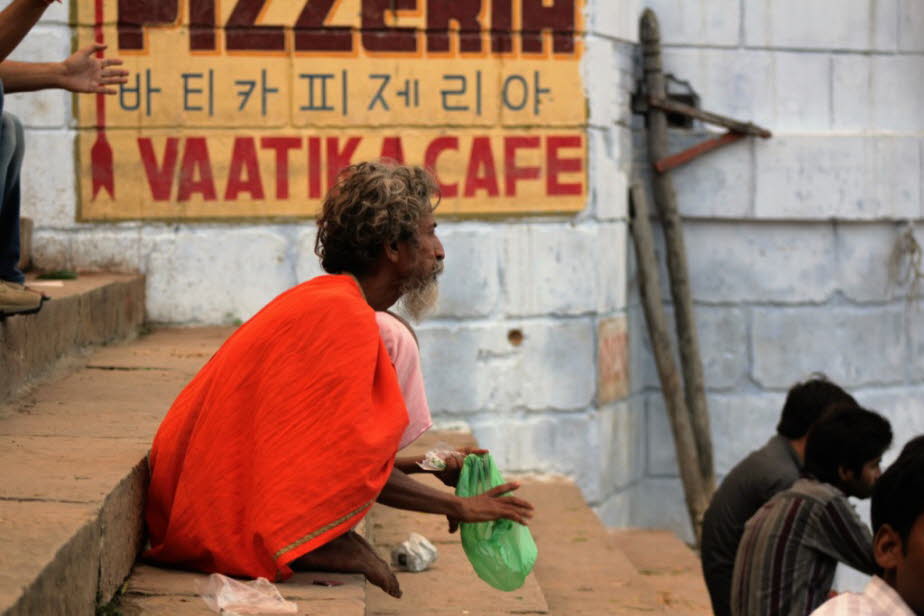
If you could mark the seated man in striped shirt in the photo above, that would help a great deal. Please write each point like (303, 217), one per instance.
(898, 546)
(787, 557)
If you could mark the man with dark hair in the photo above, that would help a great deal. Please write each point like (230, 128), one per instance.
(897, 512)
(790, 548)
(750, 484)
(280, 445)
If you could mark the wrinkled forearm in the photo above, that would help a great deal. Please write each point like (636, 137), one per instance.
(29, 76)
(408, 464)
(402, 492)
(15, 22)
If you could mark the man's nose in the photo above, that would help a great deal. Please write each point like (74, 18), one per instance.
(439, 252)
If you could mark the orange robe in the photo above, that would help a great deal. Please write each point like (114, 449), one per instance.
(282, 441)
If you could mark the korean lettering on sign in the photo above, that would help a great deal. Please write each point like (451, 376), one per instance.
(250, 108)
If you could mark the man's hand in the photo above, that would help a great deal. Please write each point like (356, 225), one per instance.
(493, 506)
(84, 72)
(450, 475)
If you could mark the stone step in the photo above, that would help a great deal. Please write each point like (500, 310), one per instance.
(92, 310)
(153, 591)
(669, 567)
(580, 571)
(73, 453)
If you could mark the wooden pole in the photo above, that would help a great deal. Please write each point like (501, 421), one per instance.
(666, 202)
(684, 442)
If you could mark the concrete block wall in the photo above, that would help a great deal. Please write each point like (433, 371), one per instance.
(789, 240)
(513, 348)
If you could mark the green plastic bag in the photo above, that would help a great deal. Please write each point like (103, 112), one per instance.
(501, 552)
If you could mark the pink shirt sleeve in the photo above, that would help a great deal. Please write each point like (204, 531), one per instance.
(405, 356)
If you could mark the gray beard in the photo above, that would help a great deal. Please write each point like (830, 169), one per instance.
(420, 296)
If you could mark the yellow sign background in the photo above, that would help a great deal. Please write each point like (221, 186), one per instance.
(508, 128)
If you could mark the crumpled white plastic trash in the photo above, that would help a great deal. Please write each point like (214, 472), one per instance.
(435, 459)
(228, 596)
(415, 553)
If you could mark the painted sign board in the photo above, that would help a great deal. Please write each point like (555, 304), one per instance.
(241, 109)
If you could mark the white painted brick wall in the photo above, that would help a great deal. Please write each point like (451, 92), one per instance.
(549, 268)
(609, 79)
(844, 177)
(48, 179)
(713, 22)
(213, 274)
(856, 25)
(617, 19)
(599, 448)
(112, 249)
(770, 262)
(718, 185)
(616, 509)
(547, 443)
(470, 285)
(722, 187)
(622, 430)
(738, 422)
(307, 264)
(897, 85)
(661, 504)
(877, 93)
(723, 333)
(610, 161)
(853, 346)
(911, 26)
(785, 91)
(473, 367)
(914, 330)
(863, 255)
(902, 407)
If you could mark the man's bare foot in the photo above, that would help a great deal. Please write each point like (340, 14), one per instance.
(350, 553)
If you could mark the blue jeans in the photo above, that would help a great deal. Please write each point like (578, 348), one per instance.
(11, 150)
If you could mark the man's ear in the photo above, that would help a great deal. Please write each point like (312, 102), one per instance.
(845, 474)
(887, 547)
(391, 252)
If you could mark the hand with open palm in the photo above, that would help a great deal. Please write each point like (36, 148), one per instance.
(84, 72)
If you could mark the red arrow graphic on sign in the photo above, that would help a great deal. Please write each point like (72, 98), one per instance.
(101, 152)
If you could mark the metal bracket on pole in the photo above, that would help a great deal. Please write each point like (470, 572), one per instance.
(736, 130)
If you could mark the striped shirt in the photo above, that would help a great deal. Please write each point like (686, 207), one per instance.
(877, 599)
(790, 549)
(747, 487)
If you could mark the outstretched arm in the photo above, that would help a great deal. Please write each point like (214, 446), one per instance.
(402, 492)
(409, 464)
(16, 20)
(81, 72)
(450, 474)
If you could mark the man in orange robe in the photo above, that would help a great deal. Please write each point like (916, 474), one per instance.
(288, 435)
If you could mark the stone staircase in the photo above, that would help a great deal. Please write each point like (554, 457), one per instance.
(75, 440)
